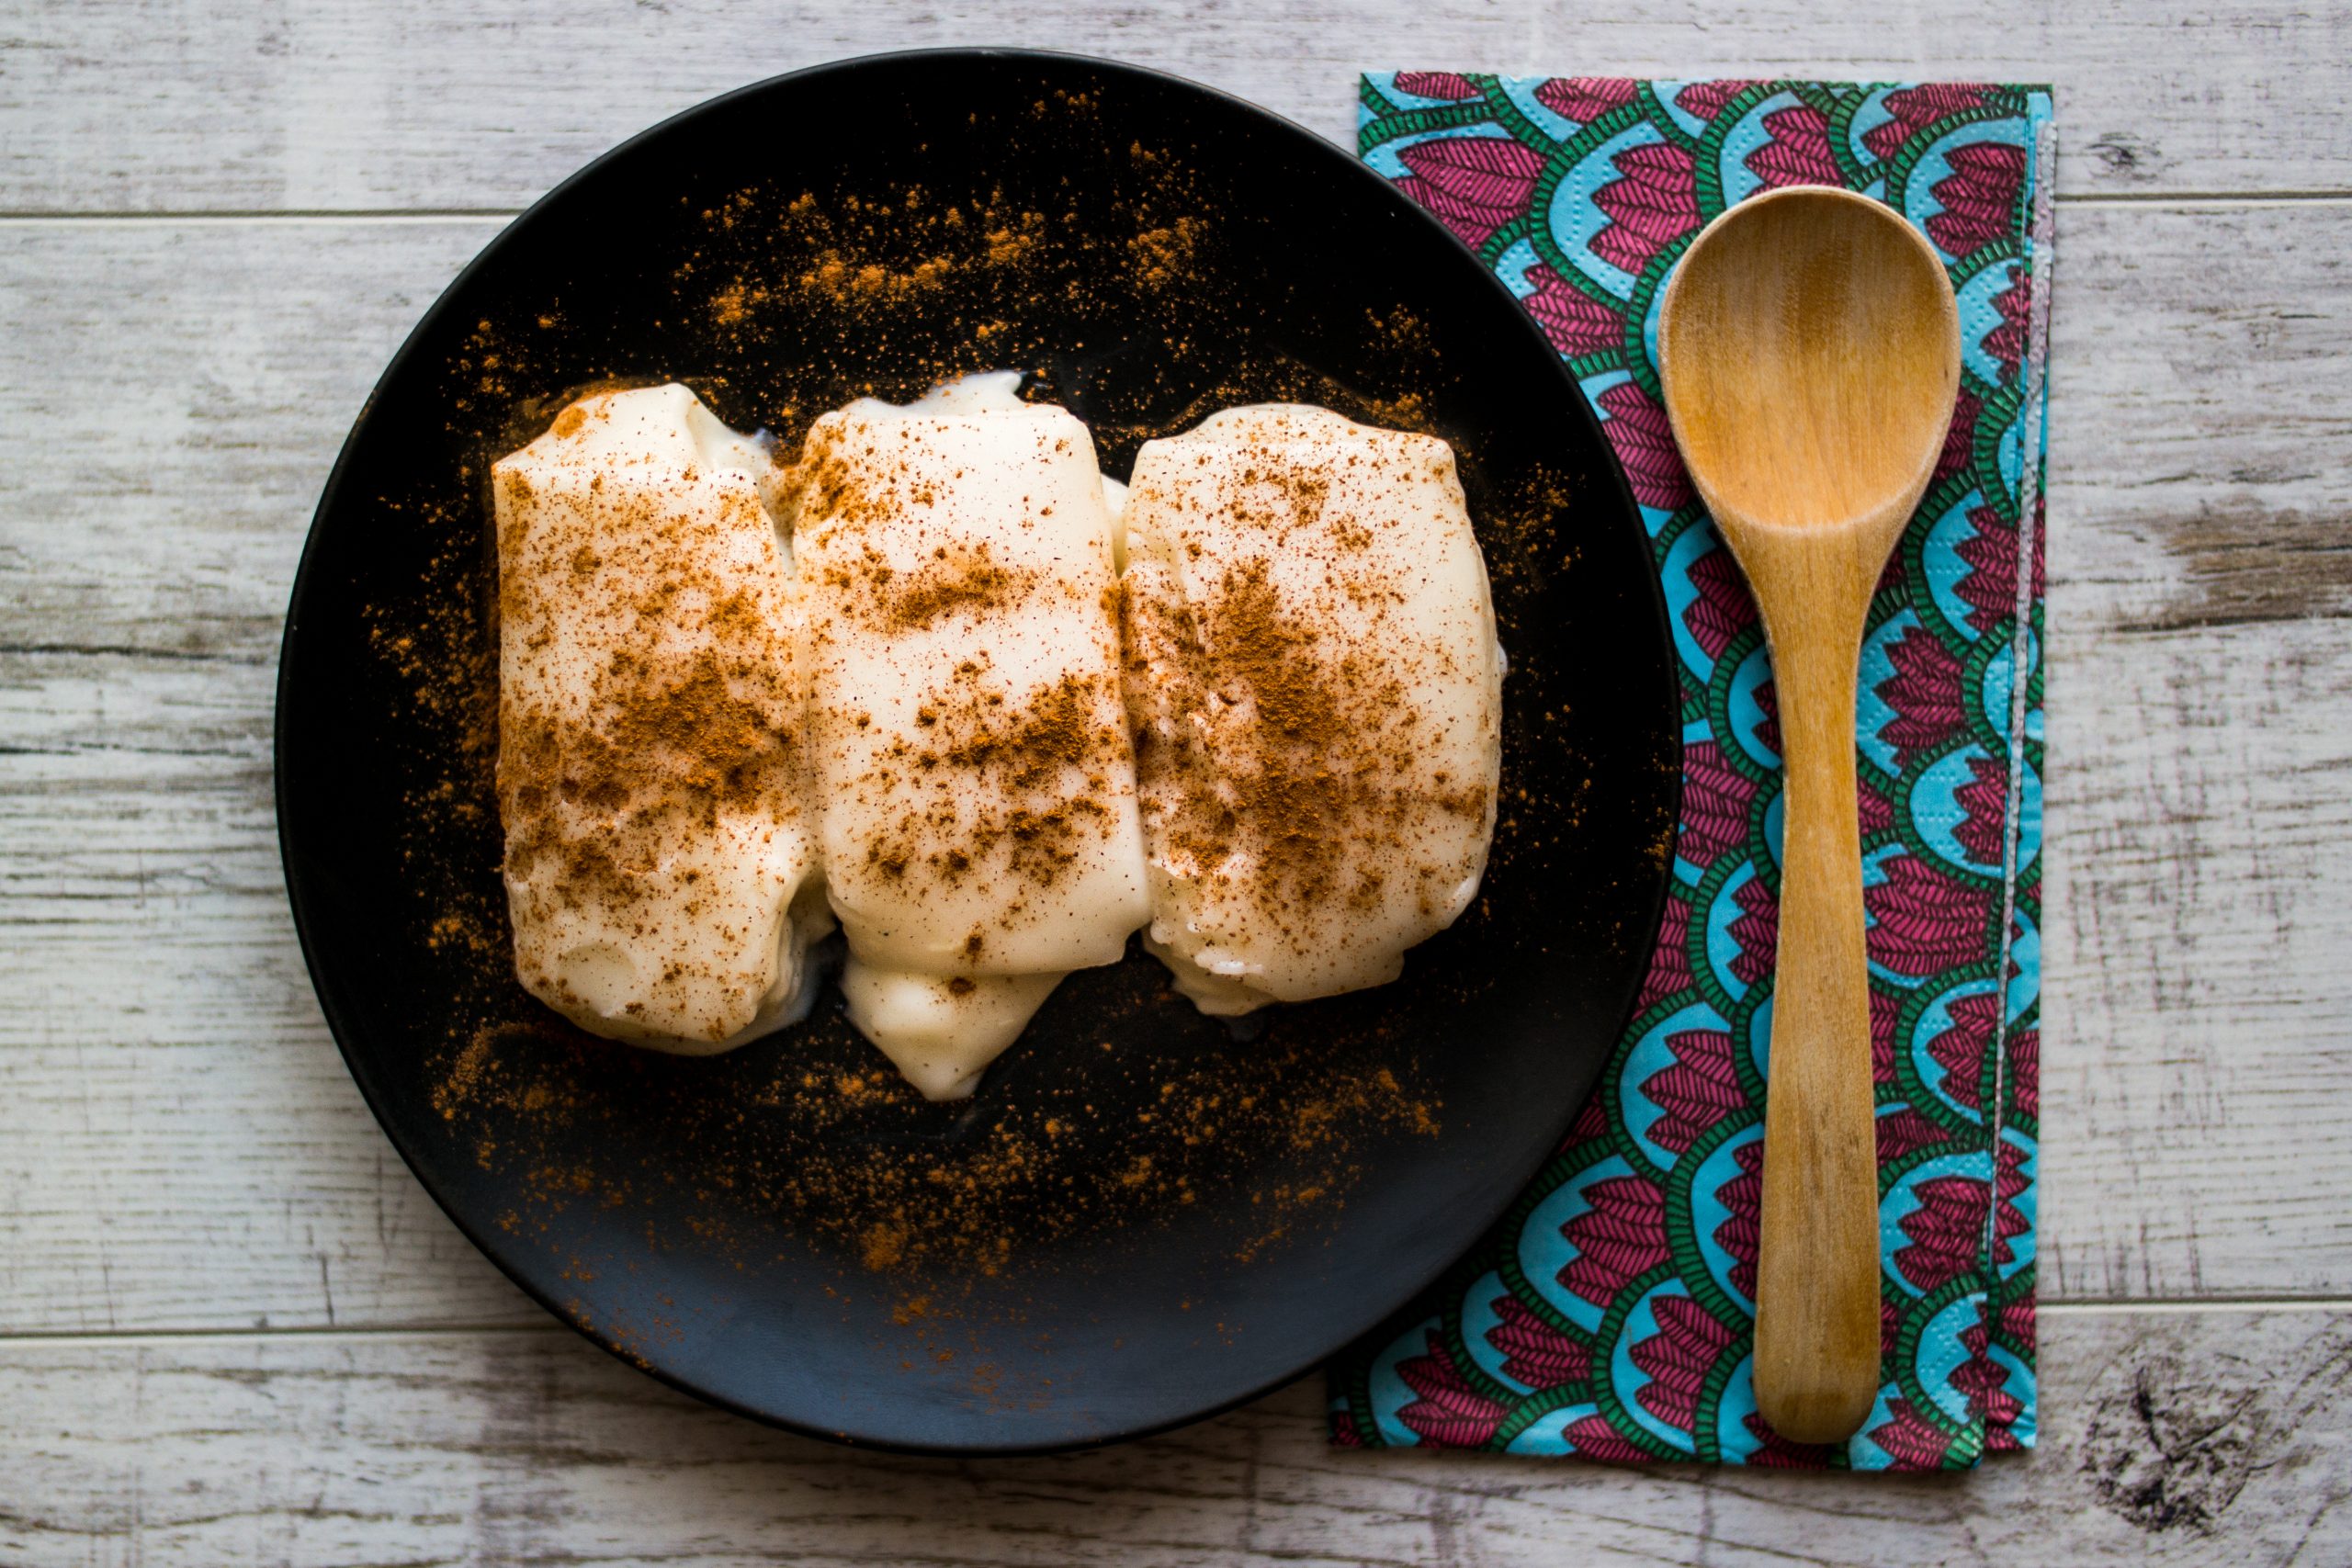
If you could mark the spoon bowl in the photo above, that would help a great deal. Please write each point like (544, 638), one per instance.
(1810, 346)
(1809, 349)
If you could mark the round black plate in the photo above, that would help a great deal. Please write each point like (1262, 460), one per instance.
(1143, 1216)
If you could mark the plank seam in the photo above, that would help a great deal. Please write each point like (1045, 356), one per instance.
(2315, 194)
(2121, 1306)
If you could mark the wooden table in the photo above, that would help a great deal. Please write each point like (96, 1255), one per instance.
(233, 1328)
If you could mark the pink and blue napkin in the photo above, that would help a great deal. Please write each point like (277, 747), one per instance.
(1609, 1314)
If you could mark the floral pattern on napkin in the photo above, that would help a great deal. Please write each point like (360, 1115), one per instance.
(1609, 1314)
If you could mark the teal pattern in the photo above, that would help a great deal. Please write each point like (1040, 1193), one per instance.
(1609, 1316)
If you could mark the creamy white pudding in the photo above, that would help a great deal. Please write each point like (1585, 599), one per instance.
(974, 786)
(906, 684)
(1314, 677)
(660, 866)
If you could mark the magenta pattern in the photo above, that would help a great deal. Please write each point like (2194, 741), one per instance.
(1609, 1316)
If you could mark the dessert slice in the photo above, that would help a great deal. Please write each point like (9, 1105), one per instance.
(659, 867)
(975, 789)
(1312, 669)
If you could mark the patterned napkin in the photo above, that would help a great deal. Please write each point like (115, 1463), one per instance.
(1609, 1316)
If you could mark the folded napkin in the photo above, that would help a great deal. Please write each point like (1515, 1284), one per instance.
(1609, 1314)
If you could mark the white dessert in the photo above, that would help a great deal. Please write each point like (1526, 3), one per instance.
(942, 1032)
(1316, 684)
(973, 787)
(660, 865)
(921, 689)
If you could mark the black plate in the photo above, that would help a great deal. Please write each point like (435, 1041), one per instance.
(1143, 1216)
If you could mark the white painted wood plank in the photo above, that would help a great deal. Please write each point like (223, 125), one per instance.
(180, 1144)
(218, 105)
(171, 399)
(2197, 1047)
(2174, 1438)
(2199, 414)
(2198, 1090)
(2197, 1086)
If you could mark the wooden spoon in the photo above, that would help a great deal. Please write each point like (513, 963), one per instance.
(1809, 346)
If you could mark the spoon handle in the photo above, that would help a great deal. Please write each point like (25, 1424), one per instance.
(1817, 1275)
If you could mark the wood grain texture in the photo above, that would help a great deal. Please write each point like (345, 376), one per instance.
(2198, 1054)
(2198, 1087)
(179, 1142)
(2175, 1437)
(181, 1149)
(226, 105)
